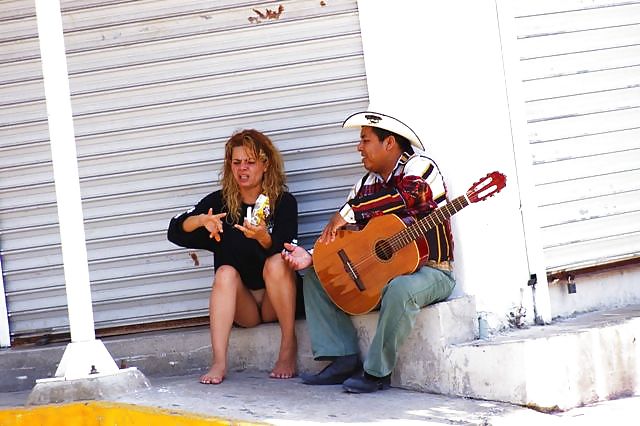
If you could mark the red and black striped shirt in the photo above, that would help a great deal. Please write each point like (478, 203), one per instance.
(413, 190)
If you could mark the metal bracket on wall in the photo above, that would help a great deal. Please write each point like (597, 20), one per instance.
(571, 284)
(562, 277)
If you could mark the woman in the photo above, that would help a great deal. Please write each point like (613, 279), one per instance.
(252, 283)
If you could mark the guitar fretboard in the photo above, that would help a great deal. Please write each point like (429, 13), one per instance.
(421, 227)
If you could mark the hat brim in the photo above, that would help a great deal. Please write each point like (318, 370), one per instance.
(386, 122)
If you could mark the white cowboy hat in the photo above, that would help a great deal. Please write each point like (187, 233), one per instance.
(375, 119)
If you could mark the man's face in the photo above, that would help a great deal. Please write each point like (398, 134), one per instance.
(372, 150)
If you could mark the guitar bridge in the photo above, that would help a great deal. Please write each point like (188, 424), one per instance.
(350, 270)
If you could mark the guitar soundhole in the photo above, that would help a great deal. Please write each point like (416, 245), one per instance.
(383, 249)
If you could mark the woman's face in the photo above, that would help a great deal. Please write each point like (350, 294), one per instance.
(247, 170)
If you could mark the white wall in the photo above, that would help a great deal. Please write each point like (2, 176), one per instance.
(612, 288)
(438, 66)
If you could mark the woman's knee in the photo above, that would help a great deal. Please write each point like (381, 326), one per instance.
(227, 275)
(275, 267)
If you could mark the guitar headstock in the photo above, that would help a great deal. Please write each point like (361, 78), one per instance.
(486, 187)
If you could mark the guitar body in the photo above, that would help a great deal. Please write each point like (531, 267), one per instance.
(364, 252)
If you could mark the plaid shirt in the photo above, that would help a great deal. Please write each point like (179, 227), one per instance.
(414, 189)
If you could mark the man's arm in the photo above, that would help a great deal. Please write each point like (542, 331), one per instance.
(411, 195)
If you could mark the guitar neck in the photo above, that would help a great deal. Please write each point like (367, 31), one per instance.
(422, 226)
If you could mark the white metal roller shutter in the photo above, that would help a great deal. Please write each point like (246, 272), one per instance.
(157, 88)
(581, 72)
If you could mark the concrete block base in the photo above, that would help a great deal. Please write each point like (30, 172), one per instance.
(101, 387)
(573, 362)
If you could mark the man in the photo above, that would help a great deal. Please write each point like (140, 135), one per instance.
(401, 180)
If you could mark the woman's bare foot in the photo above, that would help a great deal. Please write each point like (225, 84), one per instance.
(215, 376)
(285, 367)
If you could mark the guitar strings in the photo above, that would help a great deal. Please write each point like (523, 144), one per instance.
(412, 232)
(395, 242)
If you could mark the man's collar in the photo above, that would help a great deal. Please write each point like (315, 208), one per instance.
(402, 160)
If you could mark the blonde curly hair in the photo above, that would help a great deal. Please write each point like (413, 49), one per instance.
(262, 149)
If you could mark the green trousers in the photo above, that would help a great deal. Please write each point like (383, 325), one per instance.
(333, 334)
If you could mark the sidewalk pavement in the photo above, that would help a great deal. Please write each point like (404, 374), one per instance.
(252, 396)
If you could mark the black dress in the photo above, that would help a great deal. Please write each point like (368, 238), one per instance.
(246, 255)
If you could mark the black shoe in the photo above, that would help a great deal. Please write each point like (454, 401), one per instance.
(366, 383)
(335, 373)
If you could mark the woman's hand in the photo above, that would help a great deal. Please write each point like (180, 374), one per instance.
(213, 223)
(256, 232)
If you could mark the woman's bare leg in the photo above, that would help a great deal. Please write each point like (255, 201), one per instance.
(230, 300)
(280, 304)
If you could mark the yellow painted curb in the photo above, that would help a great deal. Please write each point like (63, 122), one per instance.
(106, 414)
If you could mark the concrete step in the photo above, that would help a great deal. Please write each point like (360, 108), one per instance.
(188, 351)
(575, 361)
(572, 362)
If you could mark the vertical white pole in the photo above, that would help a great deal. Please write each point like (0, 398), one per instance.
(5, 340)
(65, 169)
(541, 299)
(84, 354)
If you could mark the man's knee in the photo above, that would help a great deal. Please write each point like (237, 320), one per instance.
(397, 293)
(311, 283)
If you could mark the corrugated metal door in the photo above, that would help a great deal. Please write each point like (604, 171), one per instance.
(581, 66)
(157, 88)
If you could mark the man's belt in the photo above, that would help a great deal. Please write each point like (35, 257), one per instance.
(445, 265)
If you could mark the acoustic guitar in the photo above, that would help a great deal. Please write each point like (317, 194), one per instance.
(357, 265)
